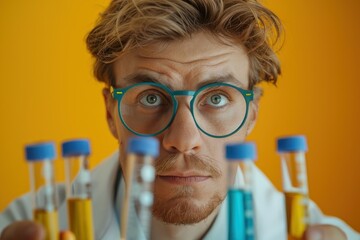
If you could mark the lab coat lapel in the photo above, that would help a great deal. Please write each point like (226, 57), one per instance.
(103, 180)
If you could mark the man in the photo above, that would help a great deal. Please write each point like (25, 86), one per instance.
(184, 72)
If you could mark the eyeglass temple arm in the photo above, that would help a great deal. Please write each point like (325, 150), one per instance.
(249, 95)
(116, 92)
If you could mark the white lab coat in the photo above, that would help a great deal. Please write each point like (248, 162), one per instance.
(269, 205)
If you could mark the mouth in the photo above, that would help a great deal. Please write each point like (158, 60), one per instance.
(180, 179)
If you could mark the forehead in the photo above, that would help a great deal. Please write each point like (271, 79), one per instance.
(184, 64)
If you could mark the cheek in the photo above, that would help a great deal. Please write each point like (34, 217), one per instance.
(122, 133)
(215, 147)
(240, 135)
(216, 150)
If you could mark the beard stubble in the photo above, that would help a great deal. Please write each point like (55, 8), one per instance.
(180, 206)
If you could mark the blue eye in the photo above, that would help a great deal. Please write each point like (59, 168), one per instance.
(216, 100)
(151, 100)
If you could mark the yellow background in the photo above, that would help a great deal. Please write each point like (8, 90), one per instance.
(47, 92)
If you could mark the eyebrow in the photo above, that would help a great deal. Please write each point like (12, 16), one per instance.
(140, 77)
(226, 78)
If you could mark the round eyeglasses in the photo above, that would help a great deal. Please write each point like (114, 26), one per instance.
(218, 109)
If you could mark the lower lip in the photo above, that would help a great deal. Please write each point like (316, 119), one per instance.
(183, 180)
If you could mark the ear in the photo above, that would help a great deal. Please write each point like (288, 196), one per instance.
(111, 115)
(254, 109)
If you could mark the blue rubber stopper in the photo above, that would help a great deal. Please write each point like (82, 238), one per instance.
(40, 151)
(241, 151)
(144, 146)
(76, 147)
(292, 144)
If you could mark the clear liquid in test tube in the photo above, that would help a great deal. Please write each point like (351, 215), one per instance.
(139, 175)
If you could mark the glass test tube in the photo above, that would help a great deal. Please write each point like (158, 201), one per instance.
(78, 188)
(292, 153)
(139, 174)
(241, 223)
(42, 181)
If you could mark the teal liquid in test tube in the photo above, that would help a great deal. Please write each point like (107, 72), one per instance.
(241, 223)
(139, 175)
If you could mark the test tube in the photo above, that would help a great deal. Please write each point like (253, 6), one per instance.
(78, 188)
(42, 183)
(139, 177)
(240, 158)
(295, 187)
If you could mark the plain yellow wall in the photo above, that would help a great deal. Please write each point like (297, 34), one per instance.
(48, 92)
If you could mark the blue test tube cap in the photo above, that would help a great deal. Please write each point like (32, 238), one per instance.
(295, 143)
(241, 151)
(144, 146)
(76, 147)
(40, 151)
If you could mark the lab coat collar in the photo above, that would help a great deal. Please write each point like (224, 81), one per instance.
(103, 185)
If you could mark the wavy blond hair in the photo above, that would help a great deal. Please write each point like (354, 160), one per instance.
(127, 24)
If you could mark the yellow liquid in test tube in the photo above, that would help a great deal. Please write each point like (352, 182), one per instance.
(296, 215)
(49, 220)
(80, 218)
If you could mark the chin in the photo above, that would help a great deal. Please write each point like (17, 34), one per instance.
(185, 210)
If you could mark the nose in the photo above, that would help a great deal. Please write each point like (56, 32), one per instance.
(182, 136)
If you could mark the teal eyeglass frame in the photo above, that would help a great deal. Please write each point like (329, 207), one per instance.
(118, 93)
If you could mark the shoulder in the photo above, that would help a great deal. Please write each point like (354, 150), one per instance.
(107, 166)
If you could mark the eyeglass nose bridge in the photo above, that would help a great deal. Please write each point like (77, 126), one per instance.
(183, 93)
(189, 93)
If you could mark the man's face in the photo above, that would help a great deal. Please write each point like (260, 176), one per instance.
(191, 171)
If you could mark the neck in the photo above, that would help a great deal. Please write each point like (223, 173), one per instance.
(162, 230)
